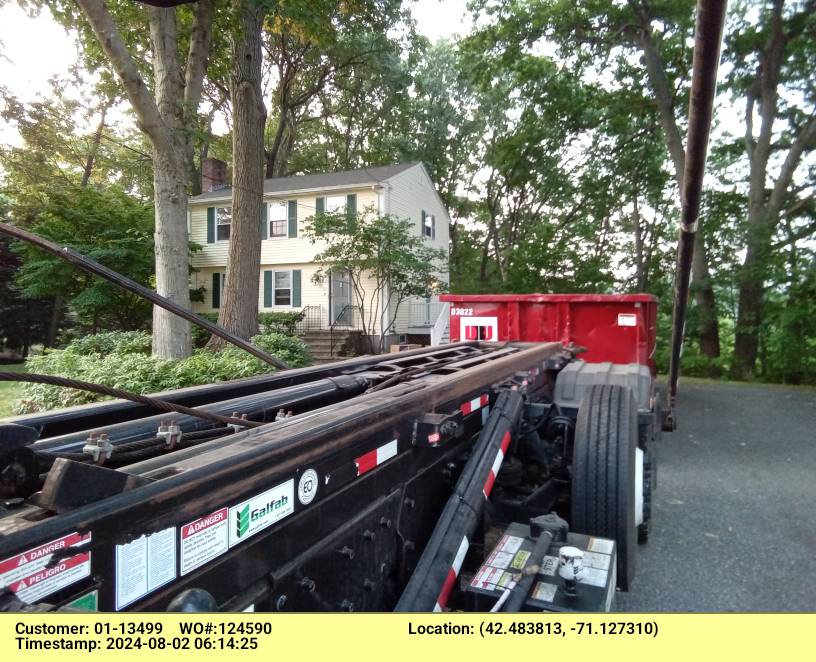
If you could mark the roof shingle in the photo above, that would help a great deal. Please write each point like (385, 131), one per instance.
(317, 181)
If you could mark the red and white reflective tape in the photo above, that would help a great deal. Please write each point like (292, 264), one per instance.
(453, 573)
(494, 470)
(375, 458)
(475, 404)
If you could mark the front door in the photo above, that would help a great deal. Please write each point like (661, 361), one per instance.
(340, 298)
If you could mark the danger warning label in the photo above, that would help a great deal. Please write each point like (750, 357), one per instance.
(204, 539)
(32, 576)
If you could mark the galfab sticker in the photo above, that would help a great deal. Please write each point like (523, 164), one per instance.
(32, 576)
(261, 511)
(204, 539)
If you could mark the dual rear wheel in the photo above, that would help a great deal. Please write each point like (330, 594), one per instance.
(611, 475)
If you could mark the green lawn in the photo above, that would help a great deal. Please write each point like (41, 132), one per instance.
(10, 391)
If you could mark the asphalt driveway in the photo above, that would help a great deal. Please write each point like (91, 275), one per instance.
(735, 510)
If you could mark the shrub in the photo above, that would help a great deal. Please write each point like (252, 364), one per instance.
(280, 322)
(121, 342)
(123, 360)
(201, 336)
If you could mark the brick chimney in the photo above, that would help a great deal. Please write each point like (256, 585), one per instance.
(213, 175)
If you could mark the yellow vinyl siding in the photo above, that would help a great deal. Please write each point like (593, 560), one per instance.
(276, 250)
(405, 195)
(311, 293)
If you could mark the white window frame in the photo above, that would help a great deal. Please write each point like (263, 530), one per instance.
(275, 272)
(432, 227)
(218, 224)
(270, 217)
(336, 203)
(222, 284)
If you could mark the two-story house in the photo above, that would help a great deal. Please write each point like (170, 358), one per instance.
(287, 256)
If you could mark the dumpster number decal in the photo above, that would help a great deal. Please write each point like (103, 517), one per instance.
(627, 319)
(479, 328)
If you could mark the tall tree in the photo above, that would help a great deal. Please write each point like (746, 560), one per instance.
(239, 312)
(310, 45)
(165, 116)
(604, 41)
(774, 62)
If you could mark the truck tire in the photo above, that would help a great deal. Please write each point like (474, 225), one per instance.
(603, 472)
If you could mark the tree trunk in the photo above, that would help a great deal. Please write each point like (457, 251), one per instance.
(166, 120)
(89, 161)
(277, 156)
(54, 322)
(239, 310)
(171, 333)
(640, 271)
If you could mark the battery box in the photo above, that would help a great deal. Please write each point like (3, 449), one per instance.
(593, 593)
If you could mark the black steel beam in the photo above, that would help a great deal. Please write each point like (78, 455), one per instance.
(258, 457)
(96, 415)
(438, 569)
(707, 41)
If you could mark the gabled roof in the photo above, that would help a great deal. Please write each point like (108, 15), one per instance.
(293, 183)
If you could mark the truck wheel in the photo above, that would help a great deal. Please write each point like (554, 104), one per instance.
(603, 472)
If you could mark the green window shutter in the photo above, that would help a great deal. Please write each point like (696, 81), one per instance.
(268, 289)
(216, 290)
(351, 211)
(320, 205)
(292, 219)
(296, 288)
(422, 224)
(433, 226)
(210, 225)
(264, 223)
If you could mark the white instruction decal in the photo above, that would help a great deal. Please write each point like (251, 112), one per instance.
(509, 544)
(595, 560)
(600, 545)
(544, 592)
(499, 559)
(144, 565)
(27, 576)
(627, 319)
(487, 577)
(261, 511)
(204, 539)
(594, 577)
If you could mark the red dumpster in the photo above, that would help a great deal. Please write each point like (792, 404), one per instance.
(620, 328)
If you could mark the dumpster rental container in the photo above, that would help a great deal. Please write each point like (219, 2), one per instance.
(619, 328)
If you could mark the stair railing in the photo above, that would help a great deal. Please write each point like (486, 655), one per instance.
(346, 319)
